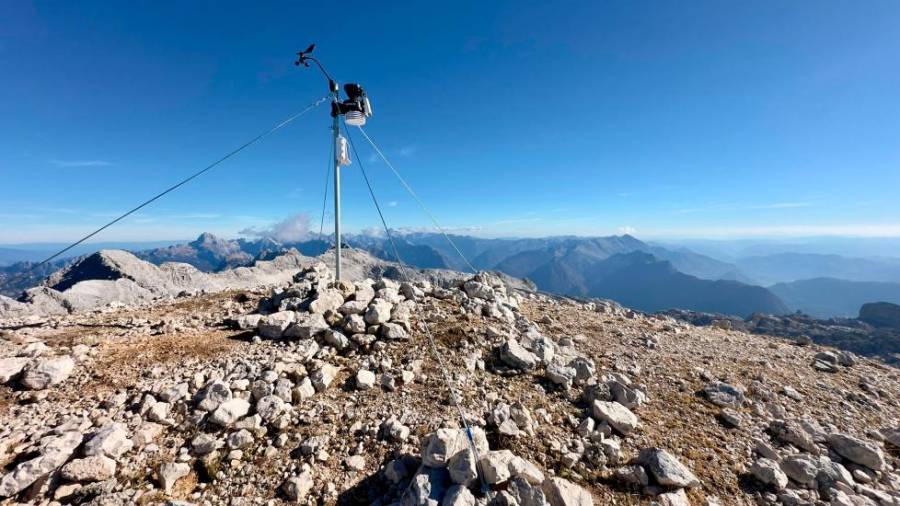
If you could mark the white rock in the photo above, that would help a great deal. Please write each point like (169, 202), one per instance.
(478, 290)
(54, 452)
(111, 440)
(856, 450)
(214, 394)
(561, 492)
(204, 444)
(394, 331)
(458, 495)
(329, 299)
(304, 390)
(11, 367)
(229, 412)
(353, 307)
(560, 375)
(335, 339)
(667, 470)
(515, 355)
(47, 372)
(801, 468)
(297, 487)
(159, 412)
(365, 379)
(323, 376)
(170, 473)
(445, 443)
(270, 408)
(378, 312)
(500, 465)
(274, 325)
(312, 326)
(393, 430)
(462, 468)
(768, 472)
(240, 439)
(356, 462)
(616, 415)
(94, 468)
(676, 498)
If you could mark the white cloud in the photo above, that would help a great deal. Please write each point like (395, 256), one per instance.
(392, 203)
(716, 207)
(627, 230)
(79, 163)
(291, 229)
(783, 205)
(373, 232)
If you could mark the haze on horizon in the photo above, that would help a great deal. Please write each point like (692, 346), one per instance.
(700, 120)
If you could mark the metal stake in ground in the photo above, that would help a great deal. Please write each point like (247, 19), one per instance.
(355, 109)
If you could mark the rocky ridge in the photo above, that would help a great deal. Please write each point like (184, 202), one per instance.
(852, 334)
(325, 392)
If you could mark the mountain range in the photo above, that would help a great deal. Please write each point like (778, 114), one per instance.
(642, 275)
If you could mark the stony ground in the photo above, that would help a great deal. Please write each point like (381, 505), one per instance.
(594, 403)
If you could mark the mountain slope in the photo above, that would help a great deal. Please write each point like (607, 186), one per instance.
(207, 253)
(643, 281)
(826, 297)
(787, 267)
(650, 284)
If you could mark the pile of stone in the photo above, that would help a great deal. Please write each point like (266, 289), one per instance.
(447, 473)
(801, 462)
(360, 314)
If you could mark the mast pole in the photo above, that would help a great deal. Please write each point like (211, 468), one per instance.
(337, 197)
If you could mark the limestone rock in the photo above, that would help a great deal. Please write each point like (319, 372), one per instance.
(365, 379)
(111, 440)
(858, 451)
(11, 367)
(95, 468)
(274, 325)
(378, 312)
(515, 355)
(229, 412)
(330, 299)
(561, 492)
(666, 469)
(47, 372)
(768, 472)
(213, 395)
(616, 415)
(170, 472)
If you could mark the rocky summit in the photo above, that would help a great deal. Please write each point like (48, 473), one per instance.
(281, 385)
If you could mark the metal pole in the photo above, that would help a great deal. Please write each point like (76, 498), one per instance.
(337, 203)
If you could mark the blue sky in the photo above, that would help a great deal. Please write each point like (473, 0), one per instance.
(510, 118)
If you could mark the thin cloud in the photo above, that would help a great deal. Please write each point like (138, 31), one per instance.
(742, 207)
(79, 163)
(291, 229)
(392, 203)
(785, 205)
(196, 216)
(851, 230)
